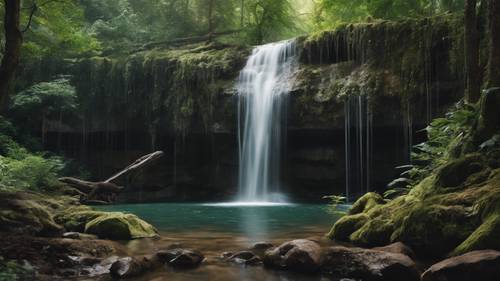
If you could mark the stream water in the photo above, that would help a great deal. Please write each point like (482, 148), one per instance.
(217, 228)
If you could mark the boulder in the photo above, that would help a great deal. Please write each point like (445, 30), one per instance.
(366, 202)
(374, 232)
(347, 225)
(261, 246)
(180, 258)
(244, 257)
(298, 255)
(397, 248)
(28, 214)
(79, 236)
(119, 226)
(477, 265)
(434, 230)
(368, 265)
(133, 266)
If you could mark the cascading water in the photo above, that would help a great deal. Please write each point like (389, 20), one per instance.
(262, 88)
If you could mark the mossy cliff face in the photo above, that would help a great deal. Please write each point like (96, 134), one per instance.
(182, 101)
(393, 64)
(393, 76)
(454, 210)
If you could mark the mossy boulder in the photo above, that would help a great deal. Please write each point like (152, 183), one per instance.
(75, 219)
(457, 171)
(376, 232)
(346, 225)
(434, 230)
(120, 226)
(486, 236)
(366, 202)
(28, 213)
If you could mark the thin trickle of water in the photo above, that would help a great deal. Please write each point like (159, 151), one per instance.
(262, 88)
(358, 145)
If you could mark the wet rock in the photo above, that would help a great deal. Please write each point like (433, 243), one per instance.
(297, 255)
(397, 248)
(226, 255)
(368, 265)
(477, 265)
(79, 236)
(180, 258)
(261, 246)
(187, 259)
(133, 266)
(245, 257)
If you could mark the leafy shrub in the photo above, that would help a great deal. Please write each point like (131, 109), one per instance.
(442, 135)
(29, 173)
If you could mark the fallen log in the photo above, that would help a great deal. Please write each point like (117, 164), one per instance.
(106, 191)
(185, 40)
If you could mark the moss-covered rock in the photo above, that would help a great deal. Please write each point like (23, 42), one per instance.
(376, 232)
(434, 230)
(28, 213)
(457, 171)
(486, 236)
(366, 203)
(346, 225)
(120, 226)
(76, 218)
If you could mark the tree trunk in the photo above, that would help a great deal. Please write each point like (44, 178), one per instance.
(13, 42)
(472, 74)
(106, 191)
(494, 53)
(242, 7)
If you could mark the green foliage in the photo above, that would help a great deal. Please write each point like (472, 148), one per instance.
(23, 170)
(330, 13)
(30, 172)
(57, 27)
(443, 134)
(46, 98)
(268, 20)
(13, 271)
(54, 100)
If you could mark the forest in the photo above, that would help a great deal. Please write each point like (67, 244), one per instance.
(250, 140)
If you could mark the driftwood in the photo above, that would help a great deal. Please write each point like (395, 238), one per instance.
(106, 191)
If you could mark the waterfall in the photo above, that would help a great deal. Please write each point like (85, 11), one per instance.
(262, 87)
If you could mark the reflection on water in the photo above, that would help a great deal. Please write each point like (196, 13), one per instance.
(214, 229)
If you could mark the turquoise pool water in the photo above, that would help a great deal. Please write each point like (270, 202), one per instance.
(261, 221)
(217, 228)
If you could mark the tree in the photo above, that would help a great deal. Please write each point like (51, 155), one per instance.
(40, 28)
(494, 49)
(269, 19)
(13, 43)
(48, 100)
(472, 74)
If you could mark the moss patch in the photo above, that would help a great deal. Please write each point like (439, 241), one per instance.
(366, 203)
(346, 225)
(120, 226)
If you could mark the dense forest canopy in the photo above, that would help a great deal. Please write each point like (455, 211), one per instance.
(85, 26)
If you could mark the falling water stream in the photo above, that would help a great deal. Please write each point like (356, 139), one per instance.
(262, 87)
